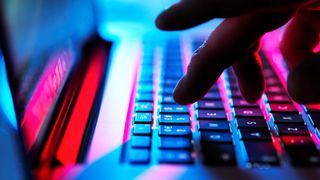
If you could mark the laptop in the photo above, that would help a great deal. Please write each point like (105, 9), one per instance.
(91, 85)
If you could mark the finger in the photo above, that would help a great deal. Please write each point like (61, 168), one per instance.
(248, 70)
(231, 40)
(189, 13)
(300, 38)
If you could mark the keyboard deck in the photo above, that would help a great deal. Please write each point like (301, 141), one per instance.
(221, 129)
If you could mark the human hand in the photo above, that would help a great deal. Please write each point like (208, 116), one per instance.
(235, 43)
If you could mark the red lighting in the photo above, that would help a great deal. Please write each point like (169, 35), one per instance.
(71, 142)
(44, 95)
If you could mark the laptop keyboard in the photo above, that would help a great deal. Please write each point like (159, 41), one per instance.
(221, 129)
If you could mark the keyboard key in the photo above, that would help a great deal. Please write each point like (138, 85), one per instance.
(255, 134)
(218, 154)
(213, 125)
(251, 123)
(166, 130)
(145, 88)
(175, 143)
(292, 129)
(215, 137)
(165, 99)
(174, 119)
(315, 119)
(175, 109)
(142, 129)
(248, 112)
(143, 118)
(240, 102)
(166, 82)
(287, 118)
(212, 96)
(175, 157)
(144, 97)
(297, 142)
(236, 94)
(261, 153)
(272, 81)
(211, 114)
(167, 90)
(139, 156)
(144, 107)
(278, 98)
(283, 108)
(140, 141)
(276, 89)
(207, 104)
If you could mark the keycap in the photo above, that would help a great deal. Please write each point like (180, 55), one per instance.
(211, 114)
(251, 123)
(315, 119)
(143, 118)
(287, 118)
(212, 96)
(148, 87)
(218, 154)
(297, 142)
(140, 141)
(174, 130)
(175, 143)
(268, 72)
(146, 80)
(139, 156)
(276, 89)
(278, 98)
(174, 119)
(213, 125)
(175, 156)
(248, 112)
(255, 134)
(144, 97)
(172, 108)
(272, 81)
(283, 108)
(142, 129)
(261, 153)
(144, 107)
(240, 102)
(215, 137)
(292, 129)
(207, 104)
(236, 94)
(167, 90)
(167, 99)
(304, 156)
(233, 86)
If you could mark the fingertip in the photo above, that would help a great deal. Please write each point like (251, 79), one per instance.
(183, 95)
(161, 21)
(252, 92)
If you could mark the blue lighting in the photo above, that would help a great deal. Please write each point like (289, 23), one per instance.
(6, 103)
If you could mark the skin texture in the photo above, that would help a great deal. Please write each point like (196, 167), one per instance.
(235, 43)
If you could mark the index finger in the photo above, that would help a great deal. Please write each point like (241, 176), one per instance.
(225, 45)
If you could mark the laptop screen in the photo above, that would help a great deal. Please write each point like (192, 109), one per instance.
(41, 41)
